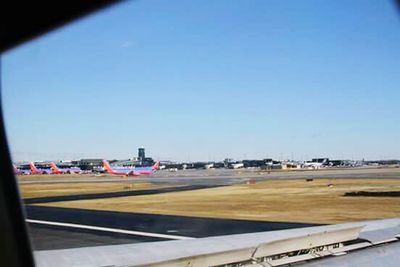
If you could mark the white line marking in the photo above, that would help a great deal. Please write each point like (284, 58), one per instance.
(113, 230)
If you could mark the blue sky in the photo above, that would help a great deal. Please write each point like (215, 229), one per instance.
(205, 80)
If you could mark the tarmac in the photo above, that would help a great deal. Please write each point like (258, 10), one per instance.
(229, 176)
(44, 237)
(47, 237)
(60, 228)
(113, 194)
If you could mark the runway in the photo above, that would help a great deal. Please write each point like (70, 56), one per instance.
(229, 177)
(44, 237)
(150, 227)
(51, 237)
(113, 194)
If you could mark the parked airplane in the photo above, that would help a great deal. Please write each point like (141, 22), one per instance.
(313, 165)
(316, 163)
(68, 170)
(35, 170)
(237, 165)
(209, 166)
(130, 171)
(19, 171)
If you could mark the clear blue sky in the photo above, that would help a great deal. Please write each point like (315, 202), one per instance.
(205, 80)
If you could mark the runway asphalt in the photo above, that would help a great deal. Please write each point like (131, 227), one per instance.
(46, 237)
(228, 177)
(113, 194)
(55, 237)
(50, 237)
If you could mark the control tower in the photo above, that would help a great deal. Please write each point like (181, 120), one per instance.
(141, 153)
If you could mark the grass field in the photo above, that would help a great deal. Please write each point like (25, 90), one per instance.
(319, 201)
(62, 189)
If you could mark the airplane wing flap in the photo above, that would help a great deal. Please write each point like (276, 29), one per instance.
(387, 255)
(308, 241)
(381, 235)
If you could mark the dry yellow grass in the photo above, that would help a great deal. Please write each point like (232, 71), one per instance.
(275, 200)
(62, 189)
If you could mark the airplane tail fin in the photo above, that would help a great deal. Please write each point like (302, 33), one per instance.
(33, 167)
(107, 166)
(156, 165)
(54, 167)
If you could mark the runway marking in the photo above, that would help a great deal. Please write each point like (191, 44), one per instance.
(112, 230)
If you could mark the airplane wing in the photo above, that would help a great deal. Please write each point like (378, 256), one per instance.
(368, 243)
